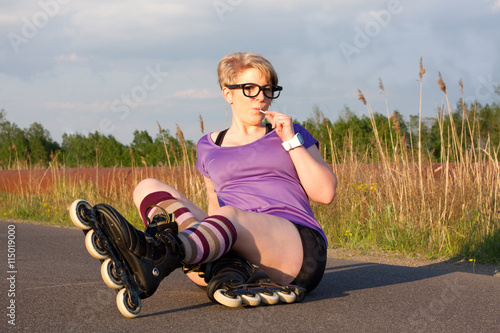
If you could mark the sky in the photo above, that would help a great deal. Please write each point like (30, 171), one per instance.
(116, 66)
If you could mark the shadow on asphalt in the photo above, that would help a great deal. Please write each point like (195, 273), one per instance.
(338, 281)
(186, 308)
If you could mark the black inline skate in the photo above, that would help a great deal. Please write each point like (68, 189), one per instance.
(233, 281)
(133, 262)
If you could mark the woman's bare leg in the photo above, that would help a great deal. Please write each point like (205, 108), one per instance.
(270, 242)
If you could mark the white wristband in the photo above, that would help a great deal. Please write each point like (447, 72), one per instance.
(294, 142)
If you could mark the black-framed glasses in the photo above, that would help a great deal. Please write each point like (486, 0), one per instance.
(252, 90)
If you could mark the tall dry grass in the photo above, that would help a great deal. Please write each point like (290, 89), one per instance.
(405, 202)
(409, 204)
(37, 202)
(34, 201)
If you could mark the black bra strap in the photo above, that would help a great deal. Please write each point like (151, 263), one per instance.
(220, 137)
(222, 134)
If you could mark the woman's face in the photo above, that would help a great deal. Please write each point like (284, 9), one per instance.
(247, 109)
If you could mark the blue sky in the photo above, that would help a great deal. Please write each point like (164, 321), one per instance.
(77, 66)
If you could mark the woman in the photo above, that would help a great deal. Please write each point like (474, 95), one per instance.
(259, 180)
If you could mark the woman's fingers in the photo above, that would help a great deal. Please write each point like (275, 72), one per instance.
(282, 123)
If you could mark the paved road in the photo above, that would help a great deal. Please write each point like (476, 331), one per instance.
(58, 288)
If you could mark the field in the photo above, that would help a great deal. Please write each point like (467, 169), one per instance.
(392, 197)
(439, 210)
(45, 194)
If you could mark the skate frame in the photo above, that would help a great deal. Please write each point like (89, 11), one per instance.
(120, 269)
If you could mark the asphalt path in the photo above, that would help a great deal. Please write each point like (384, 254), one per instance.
(53, 285)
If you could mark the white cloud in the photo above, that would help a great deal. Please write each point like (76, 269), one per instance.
(70, 58)
(496, 5)
(197, 94)
(135, 24)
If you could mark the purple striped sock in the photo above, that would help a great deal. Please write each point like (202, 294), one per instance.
(170, 204)
(208, 240)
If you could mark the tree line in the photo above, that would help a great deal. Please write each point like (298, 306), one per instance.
(472, 126)
(440, 138)
(34, 147)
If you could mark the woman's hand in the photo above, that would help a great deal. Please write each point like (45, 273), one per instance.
(282, 123)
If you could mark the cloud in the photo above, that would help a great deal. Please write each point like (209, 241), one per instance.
(70, 58)
(197, 94)
(133, 25)
(496, 6)
(91, 53)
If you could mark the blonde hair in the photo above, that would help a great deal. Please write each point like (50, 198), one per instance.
(234, 64)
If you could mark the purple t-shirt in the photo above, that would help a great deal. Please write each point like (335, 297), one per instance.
(258, 177)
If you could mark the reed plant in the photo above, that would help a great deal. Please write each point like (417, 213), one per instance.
(392, 197)
(50, 205)
(409, 204)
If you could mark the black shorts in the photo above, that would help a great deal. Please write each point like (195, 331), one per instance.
(315, 255)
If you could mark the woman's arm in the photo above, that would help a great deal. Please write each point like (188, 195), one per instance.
(316, 177)
(213, 202)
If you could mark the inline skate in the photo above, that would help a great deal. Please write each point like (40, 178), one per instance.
(133, 262)
(233, 282)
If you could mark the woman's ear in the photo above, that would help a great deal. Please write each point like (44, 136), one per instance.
(226, 92)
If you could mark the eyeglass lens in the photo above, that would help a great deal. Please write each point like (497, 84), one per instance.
(252, 90)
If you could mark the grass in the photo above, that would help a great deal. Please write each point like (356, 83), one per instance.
(404, 203)
(407, 204)
(384, 211)
(51, 205)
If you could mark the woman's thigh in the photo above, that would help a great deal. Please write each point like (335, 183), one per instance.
(270, 242)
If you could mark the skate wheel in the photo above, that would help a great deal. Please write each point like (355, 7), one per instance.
(287, 297)
(108, 276)
(252, 300)
(269, 299)
(75, 213)
(229, 301)
(93, 247)
(124, 306)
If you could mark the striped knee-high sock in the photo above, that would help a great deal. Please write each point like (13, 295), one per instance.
(208, 240)
(165, 200)
(203, 241)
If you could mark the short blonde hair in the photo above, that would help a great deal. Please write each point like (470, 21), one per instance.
(234, 64)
